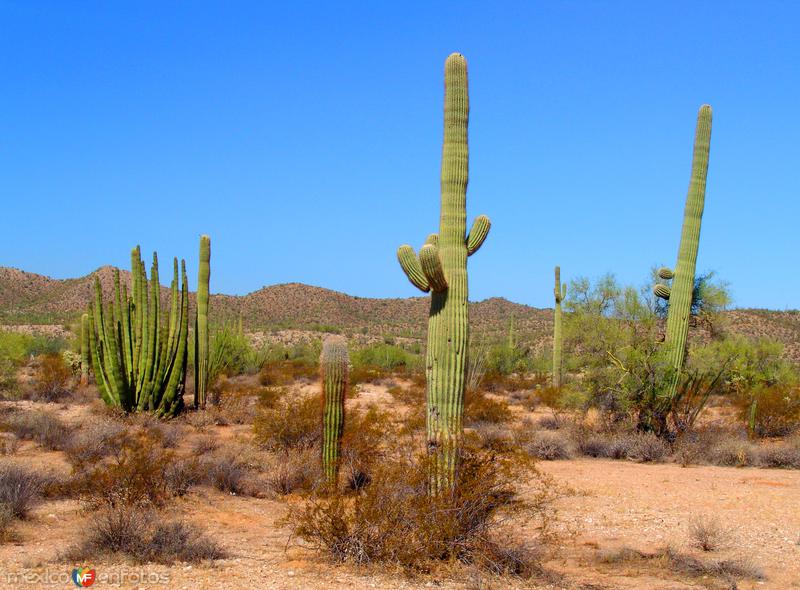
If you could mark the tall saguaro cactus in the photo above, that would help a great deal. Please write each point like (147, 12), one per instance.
(139, 359)
(85, 350)
(441, 268)
(560, 292)
(334, 369)
(680, 294)
(201, 325)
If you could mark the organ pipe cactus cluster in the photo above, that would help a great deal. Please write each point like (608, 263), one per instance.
(560, 292)
(139, 358)
(441, 268)
(85, 355)
(201, 341)
(680, 294)
(334, 368)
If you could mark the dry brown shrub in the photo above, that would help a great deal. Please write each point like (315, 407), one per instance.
(143, 537)
(707, 534)
(479, 408)
(286, 372)
(777, 410)
(293, 422)
(52, 379)
(40, 426)
(394, 521)
(135, 475)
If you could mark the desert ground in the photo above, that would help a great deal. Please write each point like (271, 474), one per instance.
(612, 522)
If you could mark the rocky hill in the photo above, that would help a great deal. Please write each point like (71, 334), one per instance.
(28, 298)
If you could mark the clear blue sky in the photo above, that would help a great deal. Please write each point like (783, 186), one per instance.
(305, 138)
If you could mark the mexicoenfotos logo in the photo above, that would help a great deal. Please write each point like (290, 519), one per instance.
(83, 577)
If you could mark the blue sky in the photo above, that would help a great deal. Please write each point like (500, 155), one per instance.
(305, 138)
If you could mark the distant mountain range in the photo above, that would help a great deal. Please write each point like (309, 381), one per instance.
(28, 298)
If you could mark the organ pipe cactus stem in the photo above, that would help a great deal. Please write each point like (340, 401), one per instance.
(201, 325)
(139, 359)
(334, 370)
(442, 269)
(85, 350)
(680, 293)
(560, 292)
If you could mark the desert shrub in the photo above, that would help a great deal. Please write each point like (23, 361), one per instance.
(495, 437)
(9, 443)
(297, 470)
(92, 442)
(287, 371)
(362, 439)
(779, 456)
(6, 523)
(643, 447)
(180, 475)
(204, 444)
(293, 422)
(394, 521)
(731, 453)
(550, 422)
(20, 489)
(771, 410)
(413, 396)
(727, 570)
(230, 352)
(707, 534)
(549, 446)
(238, 404)
(135, 475)
(479, 407)
(51, 379)
(168, 435)
(40, 426)
(386, 358)
(226, 473)
(141, 536)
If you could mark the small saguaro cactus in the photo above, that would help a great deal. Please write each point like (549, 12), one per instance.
(139, 360)
(680, 294)
(201, 325)
(85, 350)
(334, 365)
(441, 268)
(560, 292)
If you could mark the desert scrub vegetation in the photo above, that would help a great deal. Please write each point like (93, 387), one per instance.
(395, 521)
(43, 427)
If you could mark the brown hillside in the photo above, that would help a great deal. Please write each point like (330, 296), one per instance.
(28, 298)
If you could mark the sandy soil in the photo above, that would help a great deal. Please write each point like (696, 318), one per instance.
(607, 505)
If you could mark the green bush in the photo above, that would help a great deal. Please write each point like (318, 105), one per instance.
(388, 357)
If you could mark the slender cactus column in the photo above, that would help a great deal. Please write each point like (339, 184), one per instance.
(201, 324)
(334, 369)
(441, 268)
(560, 292)
(680, 294)
(85, 350)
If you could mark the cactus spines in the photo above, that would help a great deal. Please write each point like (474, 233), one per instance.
(680, 293)
(85, 350)
(334, 368)
(201, 325)
(560, 292)
(139, 361)
(442, 269)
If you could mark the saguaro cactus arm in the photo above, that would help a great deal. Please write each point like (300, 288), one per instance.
(201, 324)
(478, 233)
(412, 267)
(661, 291)
(665, 273)
(432, 267)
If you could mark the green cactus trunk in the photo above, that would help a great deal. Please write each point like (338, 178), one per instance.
(334, 368)
(140, 361)
(201, 325)
(680, 294)
(442, 269)
(85, 350)
(560, 292)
